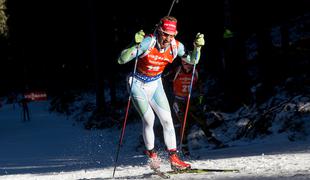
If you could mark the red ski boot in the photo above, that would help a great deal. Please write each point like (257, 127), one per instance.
(176, 163)
(154, 160)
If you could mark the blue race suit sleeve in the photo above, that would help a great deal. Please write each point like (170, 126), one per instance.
(131, 52)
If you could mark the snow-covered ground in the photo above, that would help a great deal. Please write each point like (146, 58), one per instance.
(53, 147)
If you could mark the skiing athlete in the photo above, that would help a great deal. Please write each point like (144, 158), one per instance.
(181, 81)
(152, 54)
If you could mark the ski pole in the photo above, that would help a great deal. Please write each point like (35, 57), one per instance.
(172, 6)
(188, 100)
(126, 115)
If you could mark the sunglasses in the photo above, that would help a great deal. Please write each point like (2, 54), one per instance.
(162, 33)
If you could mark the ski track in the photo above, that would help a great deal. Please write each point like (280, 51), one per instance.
(50, 147)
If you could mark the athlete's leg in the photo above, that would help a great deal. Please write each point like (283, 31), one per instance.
(141, 103)
(160, 104)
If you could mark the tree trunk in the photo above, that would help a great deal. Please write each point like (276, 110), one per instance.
(3, 18)
(265, 64)
(99, 83)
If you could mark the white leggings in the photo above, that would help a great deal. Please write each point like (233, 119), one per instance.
(147, 98)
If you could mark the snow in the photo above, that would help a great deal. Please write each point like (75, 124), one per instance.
(52, 147)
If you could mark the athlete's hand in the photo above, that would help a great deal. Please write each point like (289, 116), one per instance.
(139, 36)
(199, 40)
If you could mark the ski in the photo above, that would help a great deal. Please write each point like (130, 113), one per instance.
(196, 170)
(161, 174)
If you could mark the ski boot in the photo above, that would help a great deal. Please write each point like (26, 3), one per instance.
(176, 163)
(154, 160)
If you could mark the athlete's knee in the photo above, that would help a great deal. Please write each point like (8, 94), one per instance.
(167, 123)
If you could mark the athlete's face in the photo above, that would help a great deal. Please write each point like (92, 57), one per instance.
(186, 66)
(165, 39)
